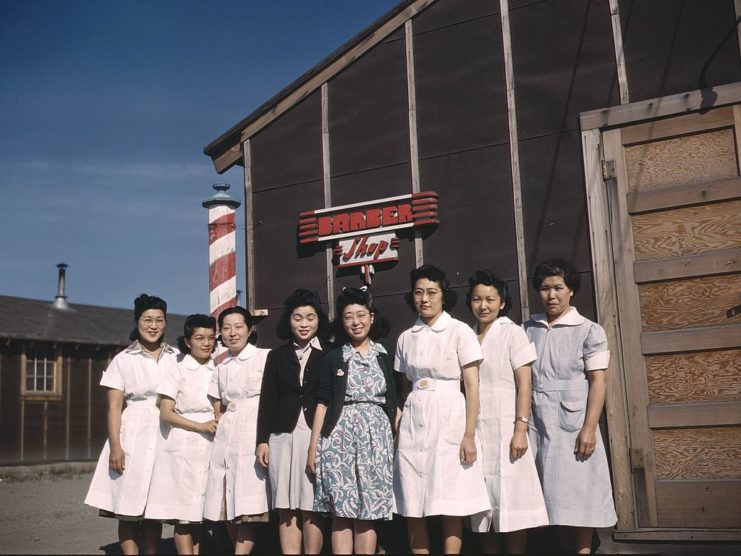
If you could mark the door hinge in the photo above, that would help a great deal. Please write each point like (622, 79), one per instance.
(608, 170)
(636, 459)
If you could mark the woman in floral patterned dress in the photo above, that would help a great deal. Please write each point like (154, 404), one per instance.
(356, 412)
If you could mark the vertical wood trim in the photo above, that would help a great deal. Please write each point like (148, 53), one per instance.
(737, 119)
(89, 406)
(617, 41)
(737, 5)
(514, 153)
(327, 175)
(607, 313)
(630, 339)
(67, 409)
(249, 226)
(413, 144)
(44, 454)
(22, 425)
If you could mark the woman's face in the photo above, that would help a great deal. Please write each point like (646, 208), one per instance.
(234, 332)
(428, 298)
(201, 344)
(304, 324)
(555, 296)
(485, 304)
(357, 321)
(151, 325)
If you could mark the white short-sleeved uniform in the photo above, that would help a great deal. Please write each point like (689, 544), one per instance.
(137, 375)
(429, 478)
(577, 493)
(180, 471)
(514, 487)
(234, 474)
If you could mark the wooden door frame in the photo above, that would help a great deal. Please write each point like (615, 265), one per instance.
(601, 182)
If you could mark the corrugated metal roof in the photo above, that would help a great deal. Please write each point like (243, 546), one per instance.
(34, 319)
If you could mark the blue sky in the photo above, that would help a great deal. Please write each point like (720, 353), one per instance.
(105, 107)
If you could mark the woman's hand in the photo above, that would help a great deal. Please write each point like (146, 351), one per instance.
(518, 445)
(209, 427)
(468, 449)
(585, 443)
(116, 461)
(263, 454)
(311, 460)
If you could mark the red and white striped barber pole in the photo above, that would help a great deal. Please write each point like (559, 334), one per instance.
(222, 256)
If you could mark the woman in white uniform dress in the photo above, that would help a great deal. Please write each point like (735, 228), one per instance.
(569, 386)
(120, 485)
(436, 470)
(237, 488)
(188, 426)
(509, 468)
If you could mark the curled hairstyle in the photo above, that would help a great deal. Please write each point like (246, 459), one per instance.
(144, 303)
(191, 323)
(557, 267)
(301, 298)
(357, 296)
(248, 319)
(486, 278)
(433, 274)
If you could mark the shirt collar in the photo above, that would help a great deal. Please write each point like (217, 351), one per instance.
(499, 322)
(136, 347)
(570, 318)
(348, 352)
(192, 365)
(247, 352)
(313, 343)
(439, 325)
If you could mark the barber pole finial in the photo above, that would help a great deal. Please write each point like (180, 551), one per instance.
(222, 242)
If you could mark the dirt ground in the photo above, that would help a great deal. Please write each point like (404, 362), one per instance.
(42, 513)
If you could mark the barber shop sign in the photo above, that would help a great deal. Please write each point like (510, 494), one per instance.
(364, 234)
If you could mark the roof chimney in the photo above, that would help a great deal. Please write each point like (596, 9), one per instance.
(60, 301)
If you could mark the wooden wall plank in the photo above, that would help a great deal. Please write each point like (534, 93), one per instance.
(687, 231)
(669, 534)
(691, 339)
(678, 125)
(706, 414)
(705, 264)
(694, 377)
(699, 503)
(681, 160)
(698, 453)
(688, 303)
(684, 195)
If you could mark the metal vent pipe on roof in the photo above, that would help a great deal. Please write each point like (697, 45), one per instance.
(60, 301)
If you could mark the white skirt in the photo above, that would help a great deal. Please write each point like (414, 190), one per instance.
(291, 487)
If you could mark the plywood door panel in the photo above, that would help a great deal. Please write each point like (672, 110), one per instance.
(675, 209)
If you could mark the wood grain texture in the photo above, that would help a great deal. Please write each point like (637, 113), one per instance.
(687, 231)
(699, 503)
(688, 159)
(684, 195)
(688, 303)
(679, 125)
(691, 339)
(694, 377)
(702, 414)
(705, 264)
(698, 453)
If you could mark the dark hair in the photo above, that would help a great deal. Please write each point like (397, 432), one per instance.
(191, 323)
(301, 298)
(249, 320)
(557, 267)
(433, 274)
(487, 278)
(144, 303)
(358, 296)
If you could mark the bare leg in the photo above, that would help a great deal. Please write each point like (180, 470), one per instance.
(289, 532)
(128, 534)
(419, 540)
(183, 540)
(491, 543)
(312, 531)
(452, 534)
(365, 537)
(516, 542)
(151, 535)
(246, 537)
(342, 535)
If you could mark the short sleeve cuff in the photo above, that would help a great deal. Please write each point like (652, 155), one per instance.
(168, 389)
(110, 380)
(598, 361)
(524, 356)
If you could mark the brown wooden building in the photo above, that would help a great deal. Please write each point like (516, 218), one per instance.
(605, 132)
(51, 360)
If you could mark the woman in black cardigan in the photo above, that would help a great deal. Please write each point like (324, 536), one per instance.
(285, 416)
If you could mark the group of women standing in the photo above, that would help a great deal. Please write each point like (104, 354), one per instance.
(495, 425)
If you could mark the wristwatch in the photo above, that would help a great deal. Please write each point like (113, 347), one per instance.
(523, 419)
